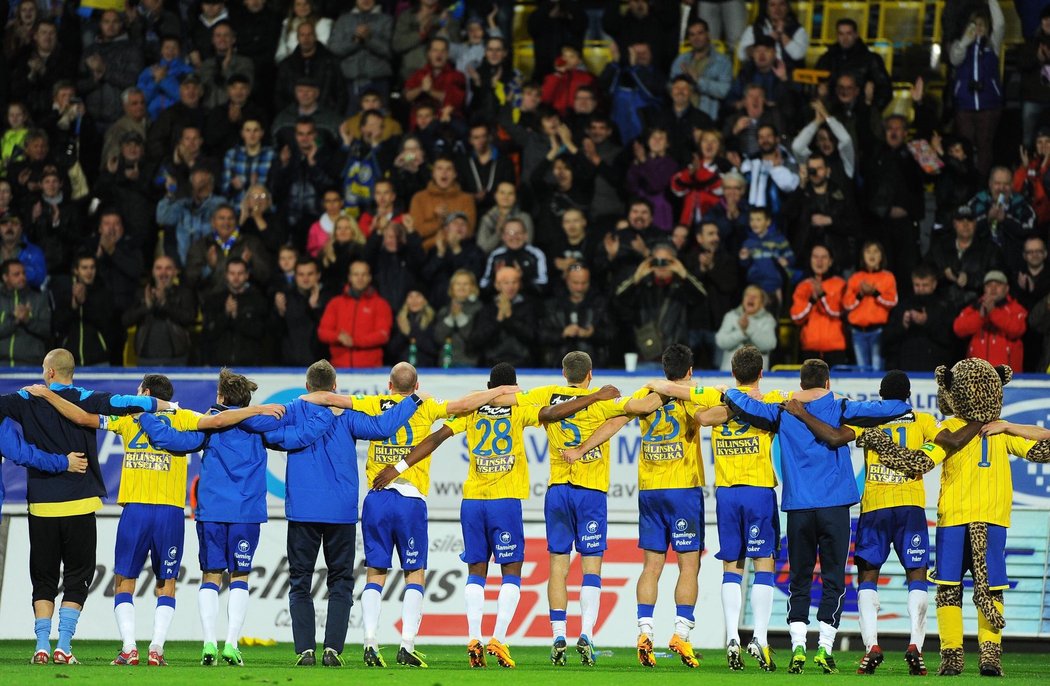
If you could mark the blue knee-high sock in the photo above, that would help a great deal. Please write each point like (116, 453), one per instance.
(42, 629)
(67, 626)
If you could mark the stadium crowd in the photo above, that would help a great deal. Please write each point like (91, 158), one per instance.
(254, 183)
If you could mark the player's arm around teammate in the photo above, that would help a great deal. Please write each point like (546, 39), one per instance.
(14, 448)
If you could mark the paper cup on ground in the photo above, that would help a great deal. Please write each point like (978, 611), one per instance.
(630, 361)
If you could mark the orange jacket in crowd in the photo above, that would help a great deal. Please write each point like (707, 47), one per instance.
(997, 336)
(367, 318)
(874, 309)
(427, 203)
(821, 321)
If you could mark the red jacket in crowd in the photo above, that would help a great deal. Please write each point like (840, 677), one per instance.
(366, 318)
(559, 88)
(997, 336)
(447, 80)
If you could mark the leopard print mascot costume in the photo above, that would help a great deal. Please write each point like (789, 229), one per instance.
(971, 527)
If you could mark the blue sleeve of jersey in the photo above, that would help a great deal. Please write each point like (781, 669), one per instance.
(15, 448)
(383, 426)
(298, 435)
(104, 403)
(162, 435)
(765, 416)
(872, 412)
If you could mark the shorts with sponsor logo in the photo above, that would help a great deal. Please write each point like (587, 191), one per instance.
(156, 530)
(227, 545)
(748, 523)
(903, 526)
(492, 529)
(671, 517)
(576, 516)
(389, 521)
(955, 556)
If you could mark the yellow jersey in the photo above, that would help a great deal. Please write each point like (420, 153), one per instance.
(976, 481)
(885, 487)
(382, 454)
(592, 469)
(149, 475)
(496, 447)
(743, 455)
(670, 446)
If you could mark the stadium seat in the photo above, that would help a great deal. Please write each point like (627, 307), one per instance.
(804, 12)
(520, 30)
(902, 22)
(901, 102)
(718, 45)
(1013, 34)
(596, 55)
(813, 53)
(524, 58)
(883, 48)
(130, 358)
(833, 11)
(938, 12)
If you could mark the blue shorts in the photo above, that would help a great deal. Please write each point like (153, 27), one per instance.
(671, 517)
(227, 546)
(748, 523)
(390, 520)
(157, 530)
(955, 557)
(904, 527)
(492, 529)
(576, 515)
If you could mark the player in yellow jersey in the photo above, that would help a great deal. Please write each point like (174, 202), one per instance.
(497, 482)
(396, 517)
(153, 494)
(892, 512)
(575, 507)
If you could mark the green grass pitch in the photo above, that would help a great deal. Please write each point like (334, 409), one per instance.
(273, 665)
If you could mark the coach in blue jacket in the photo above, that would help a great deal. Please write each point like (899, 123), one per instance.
(818, 489)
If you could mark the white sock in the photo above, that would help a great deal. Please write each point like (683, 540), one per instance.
(506, 605)
(918, 604)
(868, 606)
(558, 623)
(371, 602)
(236, 611)
(827, 636)
(645, 626)
(124, 612)
(590, 601)
(208, 604)
(411, 615)
(682, 627)
(762, 610)
(162, 617)
(475, 600)
(732, 599)
(797, 630)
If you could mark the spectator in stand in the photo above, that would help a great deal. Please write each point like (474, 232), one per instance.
(1032, 176)
(553, 25)
(12, 142)
(683, 122)
(223, 123)
(170, 123)
(370, 100)
(918, 335)
(827, 136)
(412, 339)
(247, 164)
(119, 266)
(765, 70)
(455, 322)
(410, 170)
(367, 159)
(441, 196)
(186, 157)
(346, 245)
(199, 29)
(533, 140)
(576, 245)
(385, 211)
(849, 103)
(25, 318)
(507, 328)
(6, 197)
(283, 279)
(994, 324)
(161, 82)
(361, 39)
(484, 167)
(766, 256)
(827, 214)
(817, 309)
(37, 69)
(207, 256)
(505, 208)
(322, 229)
(413, 31)
(731, 212)
(600, 149)
(576, 319)
(710, 72)
(260, 219)
(627, 244)
(217, 70)
(258, 30)
(18, 33)
(871, 293)
(162, 314)
(26, 172)
(55, 223)
(454, 251)
(978, 91)
(310, 60)
(962, 259)
(648, 22)
(300, 177)
(301, 12)
(307, 104)
(438, 81)
(850, 55)
(632, 88)
(772, 174)
(650, 176)
(14, 246)
(1039, 321)
(82, 313)
(297, 312)
(234, 319)
(190, 217)
(749, 324)
(958, 181)
(495, 82)
(718, 272)
(741, 130)
(125, 186)
(561, 182)
(468, 49)
(396, 256)
(1030, 286)
(1004, 217)
(1032, 59)
(108, 66)
(570, 73)
(514, 250)
(135, 121)
(700, 184)
(356, 324)
(777, 20)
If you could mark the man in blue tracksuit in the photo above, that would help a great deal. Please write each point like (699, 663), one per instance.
(231, 500)
(14, 448)
(321, 508)
(819, 488)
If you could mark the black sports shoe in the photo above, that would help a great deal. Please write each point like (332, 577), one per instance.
(331, 658)
(411, 658)
(306, 659)
(558, 652)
